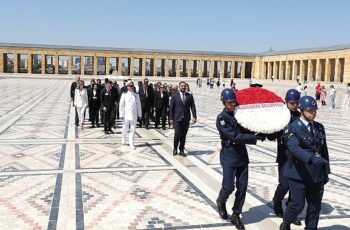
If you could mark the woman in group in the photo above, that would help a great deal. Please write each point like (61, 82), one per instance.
(81, 102)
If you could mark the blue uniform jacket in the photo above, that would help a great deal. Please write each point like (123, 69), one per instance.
(302, 146)
(281, 145)
(233, 140)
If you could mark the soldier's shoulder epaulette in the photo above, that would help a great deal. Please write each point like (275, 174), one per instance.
(288, 132)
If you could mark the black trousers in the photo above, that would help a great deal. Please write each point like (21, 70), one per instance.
(181, 128)
(160, 113)
(108, 116)
(94, 114)
(234, 176)
(145, 117)
(76, 116)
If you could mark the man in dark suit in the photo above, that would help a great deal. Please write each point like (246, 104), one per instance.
(73, 86)
(108, 106)
(146, 99)
(94, 105)
(161, 106)
(181, 104)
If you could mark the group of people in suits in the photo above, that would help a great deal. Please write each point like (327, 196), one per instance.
(166, 105)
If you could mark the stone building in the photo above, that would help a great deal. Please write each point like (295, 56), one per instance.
(328, 64)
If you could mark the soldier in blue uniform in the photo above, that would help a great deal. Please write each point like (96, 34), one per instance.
(292, 99)
(233, 158)
(307, 167)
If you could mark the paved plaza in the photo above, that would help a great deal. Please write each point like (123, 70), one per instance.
(54, 176)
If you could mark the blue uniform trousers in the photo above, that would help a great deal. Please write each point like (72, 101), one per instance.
(231, 173)
(299, 191)
(283, 186)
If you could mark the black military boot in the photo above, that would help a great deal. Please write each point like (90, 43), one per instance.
(284, 226)
(236, 221)
(221, 209)
(277, 207)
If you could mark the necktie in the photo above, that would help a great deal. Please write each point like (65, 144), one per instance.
(311, 129)
(183, 98)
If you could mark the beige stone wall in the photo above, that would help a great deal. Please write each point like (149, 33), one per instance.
(288, 66)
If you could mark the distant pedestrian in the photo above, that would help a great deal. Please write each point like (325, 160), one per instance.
(298, 79)
(346, 97)
(323, 95)
(318, 92)
(332, 97)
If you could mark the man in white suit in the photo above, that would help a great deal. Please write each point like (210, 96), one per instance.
(129, 112)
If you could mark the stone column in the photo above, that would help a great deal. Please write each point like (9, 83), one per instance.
(275, 70)
(302, 71)
(200, 69)
(232, 73)
(327, 76)
(120, 65)
(177, 68)
(29, 63)
(280, 71)
(189, 68)
(294, 70)
(243, 70)
(131, 65)
(253, 71)
(94, 65)
(287, 70)
(211, 72)
(56, 64)
(143, 67)
(166, 67)
(155, 67)
(337, 70)
(43, 63)
(269, 70)
(2, 66)
(15, 62)
(69, 64)
(82, 65)
(318, 70)
(222, 69)
(309, 70)
(107, 65)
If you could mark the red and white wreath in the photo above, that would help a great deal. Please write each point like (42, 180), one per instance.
(260, 110)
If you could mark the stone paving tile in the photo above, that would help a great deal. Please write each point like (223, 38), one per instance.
(119, 156)
(26, 202)
(14, 158)
(144, 200)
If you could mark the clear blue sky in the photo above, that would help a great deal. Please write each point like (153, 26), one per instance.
(219, 25)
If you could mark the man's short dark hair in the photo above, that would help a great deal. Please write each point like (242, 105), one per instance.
(182, 82)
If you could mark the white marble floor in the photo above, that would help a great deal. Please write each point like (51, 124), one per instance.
(54, 176)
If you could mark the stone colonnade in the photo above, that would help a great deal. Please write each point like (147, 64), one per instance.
(329, 66)
(326, 66)
(126, 64)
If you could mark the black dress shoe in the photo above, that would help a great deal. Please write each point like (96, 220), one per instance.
(163, 128)
(237, 222)
(182, 153)
(98, 125)
(284, 226)
(147, 127)
(174, 152)
(277, 207)
(222, 209)
(106, 132)
(111, 132)
(297, 222)
(93, 126)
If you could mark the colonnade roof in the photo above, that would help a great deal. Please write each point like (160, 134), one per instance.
(123, 50)
(175, 52)
(306, 50)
